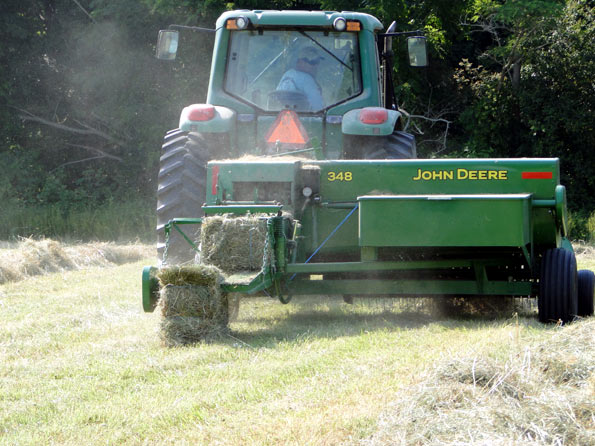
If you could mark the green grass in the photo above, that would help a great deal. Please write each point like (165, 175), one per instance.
(115, 221)
(81, 364)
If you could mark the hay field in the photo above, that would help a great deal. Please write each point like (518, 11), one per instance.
(30, 257)
(81, 364)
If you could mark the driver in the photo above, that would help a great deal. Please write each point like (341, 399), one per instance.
(302, 78)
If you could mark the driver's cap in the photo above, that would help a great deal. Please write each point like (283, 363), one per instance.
(310, 54)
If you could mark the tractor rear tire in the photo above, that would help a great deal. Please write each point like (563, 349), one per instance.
(586, 292)
(558, 287)
(181, 191)
(399, 145)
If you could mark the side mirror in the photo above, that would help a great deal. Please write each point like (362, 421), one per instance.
(167, 44)
(418, 56)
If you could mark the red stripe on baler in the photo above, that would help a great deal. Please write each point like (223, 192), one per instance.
(537, 175)
(214, 179)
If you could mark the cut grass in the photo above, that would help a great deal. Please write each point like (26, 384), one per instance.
(31, 257)
(543, 394)
(81, 364)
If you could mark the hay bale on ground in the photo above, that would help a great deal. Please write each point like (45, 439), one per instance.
(8, 272)
(234, 243)
(192, 305)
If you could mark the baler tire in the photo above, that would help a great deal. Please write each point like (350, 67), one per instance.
(586, 293)
(181, 190)
(558, 287)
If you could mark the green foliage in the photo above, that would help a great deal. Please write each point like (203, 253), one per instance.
(582, 226)
(549, 113)
(84, 103)
(492, 107)
(112, 220)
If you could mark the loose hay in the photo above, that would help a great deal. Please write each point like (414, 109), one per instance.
(482, 306)
(30, 257)
(192, 305)
(234, 243)
(543, 395)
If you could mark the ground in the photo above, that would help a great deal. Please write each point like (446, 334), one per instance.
(83, 364)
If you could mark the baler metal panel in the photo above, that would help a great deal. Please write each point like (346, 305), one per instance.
(445, 220)
(344, 181)
(445, 176)
(493, 214)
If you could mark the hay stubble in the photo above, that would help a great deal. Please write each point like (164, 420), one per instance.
(83, 365)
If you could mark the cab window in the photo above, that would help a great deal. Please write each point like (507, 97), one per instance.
(306, 71)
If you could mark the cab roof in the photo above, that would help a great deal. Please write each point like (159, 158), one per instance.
(301, 18)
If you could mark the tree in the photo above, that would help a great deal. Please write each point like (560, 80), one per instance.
(534, 96)
(557, 100)
(83, 93)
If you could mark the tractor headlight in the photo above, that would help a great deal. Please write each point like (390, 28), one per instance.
(340, 24)
(307, 191)
(242, 22)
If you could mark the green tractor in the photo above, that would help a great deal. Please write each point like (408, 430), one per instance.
(301, 142)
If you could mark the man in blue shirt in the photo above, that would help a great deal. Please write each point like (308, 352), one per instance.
(302, 78)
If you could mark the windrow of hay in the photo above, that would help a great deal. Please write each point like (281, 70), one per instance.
(543, 394)
(234, 243)
(192, 306)
(31, 257)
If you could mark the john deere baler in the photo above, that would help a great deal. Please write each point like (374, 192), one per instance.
(473, 227)
(323, 193)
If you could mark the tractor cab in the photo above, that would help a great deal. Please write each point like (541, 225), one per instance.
(303, 71)
(284, 81)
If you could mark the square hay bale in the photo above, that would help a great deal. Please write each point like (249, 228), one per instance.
(234, 243)
(203, 275)
(192, 305)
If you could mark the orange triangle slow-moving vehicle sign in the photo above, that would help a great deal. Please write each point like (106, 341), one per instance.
(288, 131)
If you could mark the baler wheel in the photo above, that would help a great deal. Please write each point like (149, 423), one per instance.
(586, 292)
(181, 189)
(558, 287)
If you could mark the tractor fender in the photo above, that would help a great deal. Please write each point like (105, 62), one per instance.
(217, 119)
(561, 210)
(353, 125)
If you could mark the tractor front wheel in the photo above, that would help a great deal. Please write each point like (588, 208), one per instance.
(558, 286)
